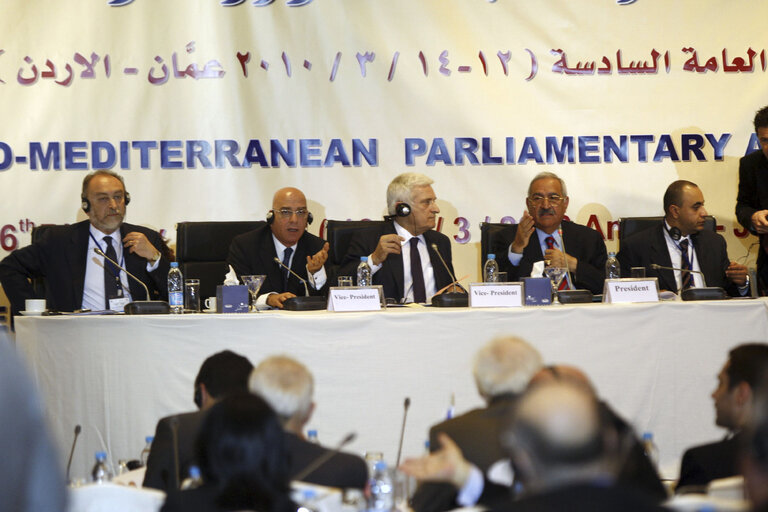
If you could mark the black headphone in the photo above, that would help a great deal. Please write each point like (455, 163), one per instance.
(271, 217)
(86, 205)
(674, 233)
(198, 398)
(402, 209)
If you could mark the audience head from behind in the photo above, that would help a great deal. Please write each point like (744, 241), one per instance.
(287, 386)
(242, 459)
(414, 190)
(221, 374)
(504, 366)
(736, 385)
(754, 460)
(556, 438)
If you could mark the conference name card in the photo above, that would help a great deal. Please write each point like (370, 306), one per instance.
(356, 298)
(617, 291)
(495, 295)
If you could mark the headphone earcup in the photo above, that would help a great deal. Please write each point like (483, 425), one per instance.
(86, 204)
(309, 218)
(127, 198)
(403, 209)
(270, 217)
(675, 234)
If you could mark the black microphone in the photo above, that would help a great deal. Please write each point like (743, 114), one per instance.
(654, 266)
(324, 457)
(78, 429)
(406, 405)
(454, 298)
(175, 438)
(303, 281)
(138, 307)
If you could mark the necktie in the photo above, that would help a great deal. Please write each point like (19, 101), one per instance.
(419, 290)
(685, 264)
(112, 287)
(287, 263)
(550, 241)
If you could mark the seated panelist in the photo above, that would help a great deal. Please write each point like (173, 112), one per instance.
(681, 242)
(401, 254)
(285, 237)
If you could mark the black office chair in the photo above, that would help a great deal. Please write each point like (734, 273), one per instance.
(631, 225)
(202, 249)
(339, 234)
(491, 236)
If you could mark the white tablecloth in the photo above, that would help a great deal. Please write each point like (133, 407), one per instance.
(117, 375)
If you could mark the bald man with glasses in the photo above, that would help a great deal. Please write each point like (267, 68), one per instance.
(285, 237)
(543, 236)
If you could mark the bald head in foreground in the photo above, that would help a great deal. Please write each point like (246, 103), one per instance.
(285, 237)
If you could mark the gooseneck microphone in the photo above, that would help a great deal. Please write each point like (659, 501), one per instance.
(138, 307)
(303, 281)
(654, 266)
(78, 429)
(569, 281)
(453, 298)
(406, 405)
(301, 475)
(445, 265)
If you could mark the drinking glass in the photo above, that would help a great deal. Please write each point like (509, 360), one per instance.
(555, 275)
(254, 285)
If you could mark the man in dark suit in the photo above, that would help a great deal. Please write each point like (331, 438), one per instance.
(221, 374)
(680, 241)
(752, 198)
(401, 254)
(285, 237)
(502, 370)
(734, 406)
(557, 243)
(76, 277)
(287, 386)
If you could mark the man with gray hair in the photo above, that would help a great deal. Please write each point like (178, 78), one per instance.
(558, 242)
(287, 386)
(401, 254)
(502, 370)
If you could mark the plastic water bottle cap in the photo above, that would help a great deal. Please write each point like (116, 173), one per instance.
(309, 494)
(380, 466)
(101, 456)
(194, 472)
(149, 439)
(647, 436)
(364, 258)
(491, 256)
(312, 433)
(174, 264)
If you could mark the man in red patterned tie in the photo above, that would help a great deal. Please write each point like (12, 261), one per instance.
(557, 242)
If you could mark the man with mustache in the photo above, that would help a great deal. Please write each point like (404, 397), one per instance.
(543, 235)
(75, 276)
(401, 255)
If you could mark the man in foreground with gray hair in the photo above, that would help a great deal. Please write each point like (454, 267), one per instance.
(287, 386)
(502, 370)
(402, 254)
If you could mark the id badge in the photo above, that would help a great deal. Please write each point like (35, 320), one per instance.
(118, 304)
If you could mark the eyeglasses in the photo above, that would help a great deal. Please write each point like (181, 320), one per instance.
(554, 199)
(287, 213)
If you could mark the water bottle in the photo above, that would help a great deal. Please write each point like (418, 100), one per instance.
(650, 448)
(175, 289)
(194, 480)
(145, 451)
(491, 270)
(100, 473)
(612, 267)
(364, 275)
(382, 491)
(312, 436)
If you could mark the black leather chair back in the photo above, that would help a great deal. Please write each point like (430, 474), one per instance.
(631, 225)
(339, 234)
(491, 235)
(202, 249)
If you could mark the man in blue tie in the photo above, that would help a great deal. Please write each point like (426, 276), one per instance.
(286, 238)
(76, 277)
(542, 235)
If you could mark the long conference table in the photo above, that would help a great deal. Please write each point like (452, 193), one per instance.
(656, 364)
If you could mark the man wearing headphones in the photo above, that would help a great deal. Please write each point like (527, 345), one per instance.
(681, 241)
(285, 237)
(401, 255)
(75, 276)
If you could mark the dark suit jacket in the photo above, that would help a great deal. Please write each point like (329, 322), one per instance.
(649, 246)
(753, 196)
(586, 497)
(702, 464)
(583, 243)
(60, 257)
(390, 275)
(160, 464)
(203, 499)
(342, 470)
(253, 253)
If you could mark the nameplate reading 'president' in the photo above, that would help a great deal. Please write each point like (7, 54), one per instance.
(631, 290)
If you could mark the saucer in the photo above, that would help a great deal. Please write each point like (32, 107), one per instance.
(209, 311)
(31, 313)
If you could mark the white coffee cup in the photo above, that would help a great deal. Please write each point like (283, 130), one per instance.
(210, 303)
(34, 305)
